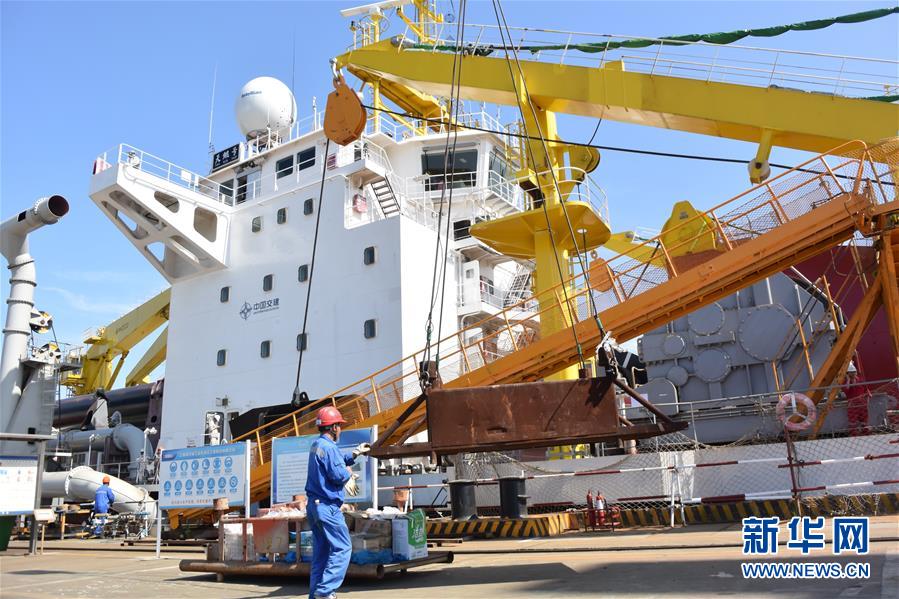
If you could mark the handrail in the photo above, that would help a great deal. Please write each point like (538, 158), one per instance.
(825, 72)
(752, 213)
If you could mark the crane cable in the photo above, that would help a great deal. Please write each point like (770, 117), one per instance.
(562, 278)
(300, 397)
(448, 155)
(580, 258)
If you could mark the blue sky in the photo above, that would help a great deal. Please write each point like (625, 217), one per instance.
(79, 78)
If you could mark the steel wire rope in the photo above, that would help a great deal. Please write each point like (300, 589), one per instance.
(456, 106)
(318, 216)
(447, 155)
(498, 11)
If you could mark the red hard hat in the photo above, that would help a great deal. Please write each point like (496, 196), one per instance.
(329, 415)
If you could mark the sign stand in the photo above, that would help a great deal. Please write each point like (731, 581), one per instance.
(246, 497)
(158, 529)
(374, 472)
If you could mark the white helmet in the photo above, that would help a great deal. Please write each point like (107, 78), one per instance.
(851, 369)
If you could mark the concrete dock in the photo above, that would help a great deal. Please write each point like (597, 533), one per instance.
(698, 561)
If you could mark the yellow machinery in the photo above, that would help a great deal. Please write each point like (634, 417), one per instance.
(110, 345)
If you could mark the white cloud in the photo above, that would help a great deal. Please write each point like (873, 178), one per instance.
(83, 303)
(94, 276)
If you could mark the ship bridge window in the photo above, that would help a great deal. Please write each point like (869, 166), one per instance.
(368, 255)
(303, 273)
(307, 207)
(302, 341)
(461, 168)
(221, 357)
(306, 159)
(256, 224)
(265, 349)
(225, 294)
(282, 216)
(284, 167)
(268, 282)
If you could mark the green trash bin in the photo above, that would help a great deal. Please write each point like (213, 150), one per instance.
(6, 524)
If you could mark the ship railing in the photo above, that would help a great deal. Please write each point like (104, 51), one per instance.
(507, 190)
(850, 76)
(433, 189)
(582, 188)
(852, 168)
(145, 162)
(380, 122)
(488, 294)
(411, 206)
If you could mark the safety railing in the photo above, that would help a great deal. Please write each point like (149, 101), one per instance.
(851, 76)
(851, 169)
(159, 167)
(380, 122)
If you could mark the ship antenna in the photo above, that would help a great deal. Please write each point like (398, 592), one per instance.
(215, 73)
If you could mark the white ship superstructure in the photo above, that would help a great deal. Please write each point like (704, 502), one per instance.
(236, 247)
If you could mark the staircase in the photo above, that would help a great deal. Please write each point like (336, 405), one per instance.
(520, 287)
(789, 218)
(382, 192)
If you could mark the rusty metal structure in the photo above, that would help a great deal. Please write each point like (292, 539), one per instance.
(519, 416)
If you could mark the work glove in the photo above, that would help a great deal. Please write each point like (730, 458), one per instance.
(352, 486)
(361, 449)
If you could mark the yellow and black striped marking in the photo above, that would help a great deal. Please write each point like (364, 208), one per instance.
(548, 525)
(831, 505)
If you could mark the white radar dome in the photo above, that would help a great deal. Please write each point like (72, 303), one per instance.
(265, 104)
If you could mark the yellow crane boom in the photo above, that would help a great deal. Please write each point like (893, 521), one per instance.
(769, 115)
(110, 345)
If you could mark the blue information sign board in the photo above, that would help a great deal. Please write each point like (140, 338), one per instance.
(192, 477)
(290, 463)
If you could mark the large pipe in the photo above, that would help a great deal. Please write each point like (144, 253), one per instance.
(81, 484)
(126, 437)
(131, 402)
(14, 247)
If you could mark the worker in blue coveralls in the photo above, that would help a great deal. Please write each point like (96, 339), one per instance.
(103, 498)
(329, 474)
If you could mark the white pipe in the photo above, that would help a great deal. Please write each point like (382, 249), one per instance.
(128, 437)
(125, 437)
(14, 247)
(81, 484)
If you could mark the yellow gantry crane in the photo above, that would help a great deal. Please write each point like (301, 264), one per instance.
(109, 346)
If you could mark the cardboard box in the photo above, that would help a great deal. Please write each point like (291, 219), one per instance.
(369, 542)
(410, 539)
(375, 527)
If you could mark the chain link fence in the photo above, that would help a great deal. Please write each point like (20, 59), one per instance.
(679, 469)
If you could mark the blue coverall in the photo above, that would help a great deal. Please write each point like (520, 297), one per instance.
(103, 498)
(331, 547)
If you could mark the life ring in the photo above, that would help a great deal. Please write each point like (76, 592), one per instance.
(793, 400)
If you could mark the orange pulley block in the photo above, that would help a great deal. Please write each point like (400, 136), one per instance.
(344, 114)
